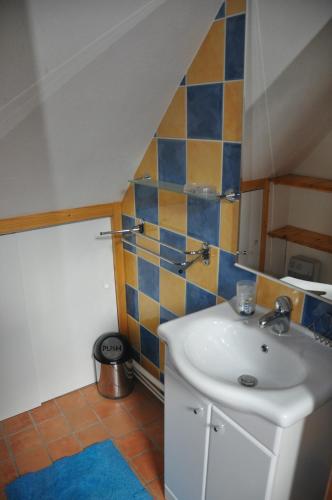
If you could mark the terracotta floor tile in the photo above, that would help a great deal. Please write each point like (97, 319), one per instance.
(71, 401)
(156, 488)
(81, 417)
(32, 460)
(149, 465)
(3, 495)
(24, 440)
(135, 399)
(4, 453)
(91, 393)
(17, 423)
(93, 434)
(7, 472)
(148, 412)
(133, 443)
(106, 407)
(45, 411)
(155, 431)
(63, 447)
(120, 423)
(54, 428)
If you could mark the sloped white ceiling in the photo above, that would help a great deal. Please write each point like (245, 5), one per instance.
(83, 86)
(288, 85)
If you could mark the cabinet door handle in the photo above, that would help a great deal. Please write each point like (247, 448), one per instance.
(197, 410)
(218, 428)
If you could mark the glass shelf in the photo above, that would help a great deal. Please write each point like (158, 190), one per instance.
(176, 188)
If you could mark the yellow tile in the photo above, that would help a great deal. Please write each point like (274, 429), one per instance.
(172, 292)
(148, 165)
(235, 6)
(204, 163)
(130, 263)
(230, 213)
(150, 367)
(208, 65)
(162, 349)
(173, 211)
(128, 202)
(148, 312)
(149, 245)
(151, 230)
(173, 123)
(233, 110)
(220, 300)
(134, 334)
(268, 291)
(200, 274)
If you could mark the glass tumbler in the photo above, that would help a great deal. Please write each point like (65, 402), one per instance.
(245, 297)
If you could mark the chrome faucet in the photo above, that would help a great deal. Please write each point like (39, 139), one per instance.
(278, 319)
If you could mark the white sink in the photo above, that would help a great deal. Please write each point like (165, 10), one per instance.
(212, 348)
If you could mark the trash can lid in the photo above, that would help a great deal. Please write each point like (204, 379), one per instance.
(111, 348)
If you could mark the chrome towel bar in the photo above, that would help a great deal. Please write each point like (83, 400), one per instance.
(139, 228)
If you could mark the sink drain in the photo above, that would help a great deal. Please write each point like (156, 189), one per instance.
(247, 380)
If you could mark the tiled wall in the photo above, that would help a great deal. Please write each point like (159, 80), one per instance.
(197, 141)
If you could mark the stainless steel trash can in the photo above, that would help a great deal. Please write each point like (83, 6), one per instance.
(114, 366)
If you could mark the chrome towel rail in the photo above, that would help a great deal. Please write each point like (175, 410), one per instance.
(139, 228)
(202, 254)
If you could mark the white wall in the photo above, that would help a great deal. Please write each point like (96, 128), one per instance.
(82, 90)
(57, 295)
(288, 84)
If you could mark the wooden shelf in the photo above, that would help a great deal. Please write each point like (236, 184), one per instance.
(304, 237)
(303, 181)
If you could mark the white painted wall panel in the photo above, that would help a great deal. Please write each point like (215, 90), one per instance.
(19, 389)
(68, 281)
(57, 296)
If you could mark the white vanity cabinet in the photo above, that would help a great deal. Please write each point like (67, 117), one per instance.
(238, 465)
(186, 425)
(215, 453)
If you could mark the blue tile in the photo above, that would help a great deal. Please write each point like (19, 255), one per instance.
(204, 113)
(162, 377)
(174, 256)
(146, 202)
(150, 346)
(172, 161)
(203, 220)
(176, 241)
(148, 278)
(229, 275)
(173, 239)
(166, 315)
(128, 223)
(235, 32)
(317, 315)
(221, 12)
(183, 81)
(231, 169)
(197, 299)
(132, 302)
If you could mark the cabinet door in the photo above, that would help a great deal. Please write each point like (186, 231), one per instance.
(186, 433)
(238, 466)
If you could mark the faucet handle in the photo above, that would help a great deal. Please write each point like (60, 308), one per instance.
(283, 304)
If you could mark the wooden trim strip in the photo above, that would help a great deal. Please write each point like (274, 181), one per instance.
(304, 181)
(47, 219)
(264, 225)
(119, 272)
(253, 185)
(59, 217)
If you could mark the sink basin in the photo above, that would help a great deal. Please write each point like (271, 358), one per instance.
(289, 375)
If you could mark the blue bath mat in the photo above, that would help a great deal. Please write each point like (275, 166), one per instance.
(97, 473)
